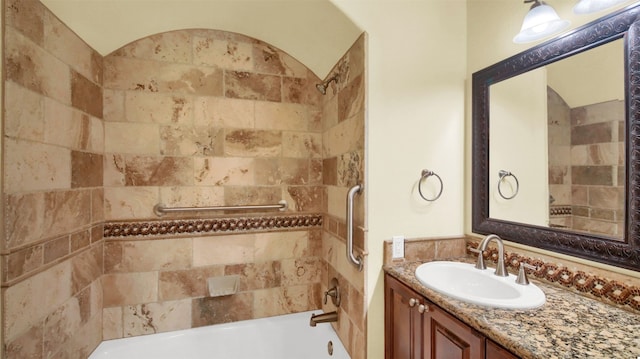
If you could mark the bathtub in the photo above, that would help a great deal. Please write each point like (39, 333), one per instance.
(282, 337)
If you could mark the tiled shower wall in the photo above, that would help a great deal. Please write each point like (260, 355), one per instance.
(187, 118)
(343, 110)
(52, 191)
(206, 118)
(202, 117)
(586, 158)
(262, 134)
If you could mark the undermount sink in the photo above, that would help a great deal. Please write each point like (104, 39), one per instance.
(482, 287)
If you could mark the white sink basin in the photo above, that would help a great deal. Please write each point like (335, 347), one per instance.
(466, 283)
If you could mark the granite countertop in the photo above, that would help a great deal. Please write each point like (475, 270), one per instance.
(568, 325)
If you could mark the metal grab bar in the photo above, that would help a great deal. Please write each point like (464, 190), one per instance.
(160, 209)
(357, 261)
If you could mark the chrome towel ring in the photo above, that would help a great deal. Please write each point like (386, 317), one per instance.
(502, 174)
(426, 174)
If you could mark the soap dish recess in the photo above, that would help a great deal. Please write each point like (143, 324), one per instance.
(225, 285)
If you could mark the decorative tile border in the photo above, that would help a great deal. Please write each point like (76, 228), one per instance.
(212, 225)
(560, 211)
(602, 289)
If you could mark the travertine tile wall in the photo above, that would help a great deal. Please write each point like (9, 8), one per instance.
(586, 157)
(159, 285)
(52, 192)
(343, 141)
(187, 118)
(205, 118)
(427, 249)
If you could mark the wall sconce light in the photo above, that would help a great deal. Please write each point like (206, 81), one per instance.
(591, 6)
(541, 21)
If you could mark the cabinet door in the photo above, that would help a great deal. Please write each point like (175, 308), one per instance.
(402, 321)
(495, 351)
(445, 337)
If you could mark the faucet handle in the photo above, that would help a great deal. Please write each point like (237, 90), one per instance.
(522, 275)
(480, 262)
(333, 292)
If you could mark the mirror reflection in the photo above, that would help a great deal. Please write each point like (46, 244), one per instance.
(559, 132)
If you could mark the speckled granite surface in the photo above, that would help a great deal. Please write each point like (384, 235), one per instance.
(567, 326)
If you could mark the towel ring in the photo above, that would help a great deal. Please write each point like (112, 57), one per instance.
(426, 174)
(502, 174)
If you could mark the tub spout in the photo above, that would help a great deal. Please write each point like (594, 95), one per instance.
(323, 318)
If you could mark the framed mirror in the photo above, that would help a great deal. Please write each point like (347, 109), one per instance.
(556, 143)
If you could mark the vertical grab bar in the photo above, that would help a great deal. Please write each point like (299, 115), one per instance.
(357, 261)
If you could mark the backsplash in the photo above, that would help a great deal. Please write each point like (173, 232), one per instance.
(609, 290)
(618, 290)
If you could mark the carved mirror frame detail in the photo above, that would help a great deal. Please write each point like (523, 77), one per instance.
(624, 254)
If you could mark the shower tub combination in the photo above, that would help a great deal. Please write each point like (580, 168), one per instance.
(283, 337)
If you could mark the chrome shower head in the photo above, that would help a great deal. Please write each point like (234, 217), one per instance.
(322, 87)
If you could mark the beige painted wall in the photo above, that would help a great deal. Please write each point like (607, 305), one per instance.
(492, 24)
(591, 77)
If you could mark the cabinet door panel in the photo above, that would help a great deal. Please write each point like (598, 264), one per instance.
(447, 345)
(445, 337)
(495, 351)
(402, 322)
(432, 333)
(401, 327)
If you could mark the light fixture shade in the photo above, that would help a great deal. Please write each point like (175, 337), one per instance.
(541, 21)
(591, 6)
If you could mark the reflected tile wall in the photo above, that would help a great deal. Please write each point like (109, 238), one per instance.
(53, 187)
(597, 149)
(586, 166)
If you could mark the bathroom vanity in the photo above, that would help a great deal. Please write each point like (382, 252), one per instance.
(416, 327)
(422, 323)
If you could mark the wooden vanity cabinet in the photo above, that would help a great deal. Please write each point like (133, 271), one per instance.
(418, 329)
(495, 351)
(403, 321)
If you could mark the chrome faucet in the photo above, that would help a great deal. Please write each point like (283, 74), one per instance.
(323, 318)
(501, 270)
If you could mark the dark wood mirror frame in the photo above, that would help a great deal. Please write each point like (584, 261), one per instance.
(626, 253)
